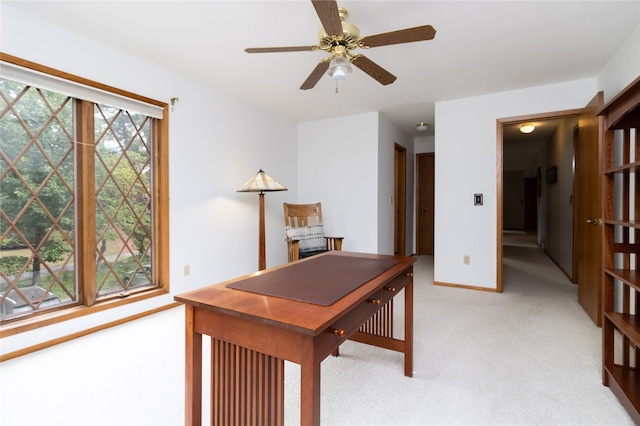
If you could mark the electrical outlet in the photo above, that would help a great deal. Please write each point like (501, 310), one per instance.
(187, 270)
(467, 260)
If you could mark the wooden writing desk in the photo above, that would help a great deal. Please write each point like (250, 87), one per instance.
(253, 331)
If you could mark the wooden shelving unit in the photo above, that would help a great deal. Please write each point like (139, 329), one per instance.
(621, 227)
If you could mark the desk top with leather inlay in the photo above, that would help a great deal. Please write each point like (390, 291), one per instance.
(321, 280)
(306, 296)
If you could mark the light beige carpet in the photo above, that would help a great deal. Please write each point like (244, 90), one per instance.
(528, 356)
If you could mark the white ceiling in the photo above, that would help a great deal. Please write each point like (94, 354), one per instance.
(520, 150)
(480, 47)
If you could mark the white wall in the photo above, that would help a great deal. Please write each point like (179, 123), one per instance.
(212, 152)
(347, 164)
(388, 136)
(466, 164)
(424, 144)
(622, 69)
(338, 166)
(557, 238)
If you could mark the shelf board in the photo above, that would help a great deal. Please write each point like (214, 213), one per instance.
(626, 223)
(627, 324)
(629, 277)
(624, 168)
(625, 384)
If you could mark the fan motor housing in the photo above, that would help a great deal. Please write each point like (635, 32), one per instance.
(348, 39)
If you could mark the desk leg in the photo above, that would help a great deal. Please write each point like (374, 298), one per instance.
(310, 386)
(193, 371)
(408, 330)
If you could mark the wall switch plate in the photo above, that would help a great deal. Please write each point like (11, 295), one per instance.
(187, 270)
(477, 199)
(467, 260)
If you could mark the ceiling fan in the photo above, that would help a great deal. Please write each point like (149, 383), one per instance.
(339, 38)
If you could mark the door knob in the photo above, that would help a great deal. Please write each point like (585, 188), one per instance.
(597, 221)
(422, 210)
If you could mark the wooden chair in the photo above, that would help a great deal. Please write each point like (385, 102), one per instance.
(305, 233)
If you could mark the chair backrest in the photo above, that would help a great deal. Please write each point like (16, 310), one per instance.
(298, 215)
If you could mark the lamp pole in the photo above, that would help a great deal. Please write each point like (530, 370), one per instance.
(261, 183)
(262, 251)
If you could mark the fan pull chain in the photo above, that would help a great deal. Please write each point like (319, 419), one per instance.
(336, 86)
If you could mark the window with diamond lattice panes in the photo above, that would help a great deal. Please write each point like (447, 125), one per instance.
(123, 200)
(36, 199)
(83, 190)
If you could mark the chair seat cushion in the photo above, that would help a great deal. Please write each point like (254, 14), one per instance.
(304, 255)
(310, 238)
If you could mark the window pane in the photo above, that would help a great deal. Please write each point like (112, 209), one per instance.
(123, 200)
(36, 199)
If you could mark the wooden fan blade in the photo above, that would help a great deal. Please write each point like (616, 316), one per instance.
(327, 11)
(315, 75)
(408, 35)
(383, 76)
(281, 49)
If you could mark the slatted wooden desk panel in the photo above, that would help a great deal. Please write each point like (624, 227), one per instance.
(254, 331)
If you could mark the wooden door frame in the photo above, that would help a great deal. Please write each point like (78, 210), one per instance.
(500, 123)
(574, 269)
(399, 199)
(590, 127)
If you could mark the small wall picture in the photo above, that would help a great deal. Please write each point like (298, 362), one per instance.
(552, 174)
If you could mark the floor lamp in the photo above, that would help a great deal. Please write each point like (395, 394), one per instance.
(261, 183)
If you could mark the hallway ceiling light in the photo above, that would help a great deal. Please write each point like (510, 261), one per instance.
(422, 126)
(527, 128)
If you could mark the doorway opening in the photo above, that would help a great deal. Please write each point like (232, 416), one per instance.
(531, 200)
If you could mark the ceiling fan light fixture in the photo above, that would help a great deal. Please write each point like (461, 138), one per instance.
(340, 39)
(527, 128)
(422, 126)
(339, 68)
